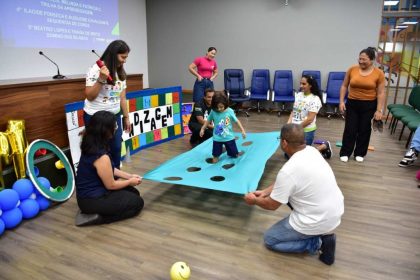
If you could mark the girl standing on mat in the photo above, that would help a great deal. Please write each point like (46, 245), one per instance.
(306, 107)
(222, 117)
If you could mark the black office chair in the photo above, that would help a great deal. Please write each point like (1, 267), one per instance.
(235, 89)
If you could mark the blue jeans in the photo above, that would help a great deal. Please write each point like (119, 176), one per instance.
(415, 142)
(115, 142)
(282, 237)
(309, 137)
(199, 88)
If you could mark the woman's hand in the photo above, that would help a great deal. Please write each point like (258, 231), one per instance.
(126, 124)
(103, 73)
(201, 132)
(134, 181)
(342, 107)
(378, 115)
(243, 134)
(199, 78)
(136, 176)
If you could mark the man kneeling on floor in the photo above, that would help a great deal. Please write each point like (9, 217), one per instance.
(307, 182)
(198, 117)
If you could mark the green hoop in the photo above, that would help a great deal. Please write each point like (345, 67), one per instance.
(30, 167)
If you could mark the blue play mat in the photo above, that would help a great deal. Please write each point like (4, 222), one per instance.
(237, 175)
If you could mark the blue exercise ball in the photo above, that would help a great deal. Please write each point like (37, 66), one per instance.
(24, 188)
(44, 182)
(29, 208)
(11, 218)
(42, 202)
(9, 198)
(2, 226)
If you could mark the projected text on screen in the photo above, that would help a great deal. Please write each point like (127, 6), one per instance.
(74, 24)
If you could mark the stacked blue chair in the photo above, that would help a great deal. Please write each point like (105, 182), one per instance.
(283, 91)
(235, 88)
(260, 86)
(335, 80)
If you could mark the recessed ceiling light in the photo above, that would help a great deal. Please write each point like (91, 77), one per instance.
(390, 3)
(401, 26)
(409, 22)
(394, 29)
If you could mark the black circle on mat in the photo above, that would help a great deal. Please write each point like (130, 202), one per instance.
(209, 160)
(247, 143)
(228, 165)
(217, 178)
(193, 169)
(241, 153)
(172, 178)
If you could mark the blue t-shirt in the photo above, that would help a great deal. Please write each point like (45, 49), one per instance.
(223, 130)
(88, 182)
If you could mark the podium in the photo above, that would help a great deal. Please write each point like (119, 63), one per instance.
(40, 102)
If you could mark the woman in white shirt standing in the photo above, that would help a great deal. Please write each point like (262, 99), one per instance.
(306, 107)
(106, 91)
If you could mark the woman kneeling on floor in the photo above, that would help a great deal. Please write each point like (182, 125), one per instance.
(101, 197)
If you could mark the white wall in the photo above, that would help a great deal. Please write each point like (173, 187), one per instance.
(324, 35)
(27, 63)
(307, 34)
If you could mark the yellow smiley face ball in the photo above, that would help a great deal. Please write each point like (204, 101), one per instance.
(180, 271)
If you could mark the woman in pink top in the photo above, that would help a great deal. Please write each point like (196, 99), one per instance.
(205, 69)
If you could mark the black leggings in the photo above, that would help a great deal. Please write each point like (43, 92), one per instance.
(357, 130)
(114, 206)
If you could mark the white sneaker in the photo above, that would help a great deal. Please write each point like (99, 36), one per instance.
(359, 159)
(344, 159)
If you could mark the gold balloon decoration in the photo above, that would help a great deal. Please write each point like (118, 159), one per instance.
(18, 143)
(5, 156)
(13, 145)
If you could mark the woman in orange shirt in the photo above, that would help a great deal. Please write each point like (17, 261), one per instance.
(366, 85)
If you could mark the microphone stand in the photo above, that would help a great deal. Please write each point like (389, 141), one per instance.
(96, 53)
(58, 76)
